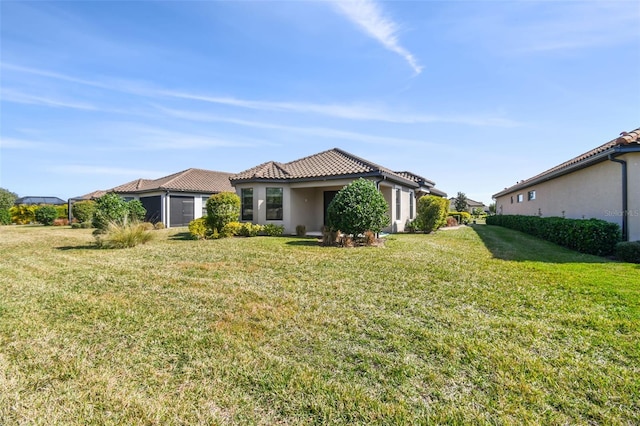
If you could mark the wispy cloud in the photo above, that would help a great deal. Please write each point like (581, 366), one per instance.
(82, 169)
(18, 143)
(10, 95)
(369, 16)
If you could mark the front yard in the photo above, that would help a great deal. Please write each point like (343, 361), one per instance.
(475, 325)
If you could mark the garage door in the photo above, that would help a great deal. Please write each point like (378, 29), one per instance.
(181, 211)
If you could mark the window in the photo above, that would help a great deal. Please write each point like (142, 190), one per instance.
(512, 199)
(204, 206)
(531, 195)
(274, 203)
(398, 194)
(520, 198)
(411, 196)
(246, 202)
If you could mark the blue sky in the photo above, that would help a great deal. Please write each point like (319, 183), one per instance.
(473, 95)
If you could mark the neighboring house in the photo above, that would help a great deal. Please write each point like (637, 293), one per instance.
(299, 192)
(55, 201)
(174, 200)
(603, 183)
(471, 204)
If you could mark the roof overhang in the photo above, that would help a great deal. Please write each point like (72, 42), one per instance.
(378, 174)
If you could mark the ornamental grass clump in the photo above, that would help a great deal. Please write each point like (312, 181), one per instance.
(123, 235)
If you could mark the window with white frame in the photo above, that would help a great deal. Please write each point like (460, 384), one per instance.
(531, 195)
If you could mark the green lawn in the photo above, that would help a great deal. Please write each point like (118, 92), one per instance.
(475, 325)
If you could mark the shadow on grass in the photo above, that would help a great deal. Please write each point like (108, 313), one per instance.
(507, 244)
(304, 242)
(83, 247)
(181, 236)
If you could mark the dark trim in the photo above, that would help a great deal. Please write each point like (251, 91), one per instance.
(625, 200)
(385, 176)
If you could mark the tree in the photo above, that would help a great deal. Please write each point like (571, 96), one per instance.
(137, 212)
(46, 215)
(358, 207)
(7, 198)
(432, 212)
(492, 208)
(222, 208)
(460, 202)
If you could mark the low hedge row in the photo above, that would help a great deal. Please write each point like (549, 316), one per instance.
(591, 236)
(628, 251)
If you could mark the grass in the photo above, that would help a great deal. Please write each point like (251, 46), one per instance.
(475, 325)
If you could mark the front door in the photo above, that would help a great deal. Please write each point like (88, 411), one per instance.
(328, 198)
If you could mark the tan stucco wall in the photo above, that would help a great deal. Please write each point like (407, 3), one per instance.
(593, 192)
(303, 203)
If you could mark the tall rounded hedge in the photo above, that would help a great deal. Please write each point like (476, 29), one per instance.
(357, 208)
(222, 208)
(432, 212)
(83, 211)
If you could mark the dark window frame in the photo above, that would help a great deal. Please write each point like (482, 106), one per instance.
(274, 203)
(246, 208)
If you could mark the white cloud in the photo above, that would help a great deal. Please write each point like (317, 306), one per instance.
(10, 95)
(369, 16)
(17, 143)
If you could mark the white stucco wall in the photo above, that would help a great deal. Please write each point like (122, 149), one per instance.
(593, 192)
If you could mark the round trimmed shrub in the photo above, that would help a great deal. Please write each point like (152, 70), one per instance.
(46, 215)
(358, 207)
(83, 211)
(222, 208)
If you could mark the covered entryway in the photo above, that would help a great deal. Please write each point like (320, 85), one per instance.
(153, 205)
(328, 198)
(180, 211)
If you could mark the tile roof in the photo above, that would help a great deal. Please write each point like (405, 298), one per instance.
(597, 154)
(190, 180)
(90, 196)
(332, 163)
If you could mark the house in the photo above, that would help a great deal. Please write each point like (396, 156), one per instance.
(471, 205)
(299, 192)
(174, 200)
(603, 183)
(31, 200)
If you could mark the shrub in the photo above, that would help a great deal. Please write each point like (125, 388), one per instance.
(158, 225)
(590, 236)
(301, 230)
(432, 212)
(222, 208)
(61, 222)
(330, 237)
(5, 217)
(358, 207)
(84, 210)
(63, 211)
(148, 226)
(272, 230)
(7, 198)
(198, 229)
(461, 217)
(451, 221)
(110, 208)
(86, 225)
(248, 229)
(411, 226)
(23, 214)
(369, 238)
(137, 212)
(230, 229)
(628, 251)
(46, 215)
(123, 235)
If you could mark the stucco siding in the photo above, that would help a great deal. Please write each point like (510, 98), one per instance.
(592, 192)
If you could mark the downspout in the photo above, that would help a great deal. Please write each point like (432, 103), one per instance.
(625, 203)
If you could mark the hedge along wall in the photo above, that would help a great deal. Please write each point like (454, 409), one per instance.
(591, 236)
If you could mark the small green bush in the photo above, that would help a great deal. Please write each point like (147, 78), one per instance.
(230, 229)
(123, 235)
(198, 229)
(248, 229)
(46, 215)
(628, 251)
(5, 217)
(272, 230)
(83, 211)
(110, 208)
(301, 230)
(590, 236)
(159, 225)
(222, 208)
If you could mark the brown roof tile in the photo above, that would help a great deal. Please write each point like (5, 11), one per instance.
(625, 138)
(190, 180)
